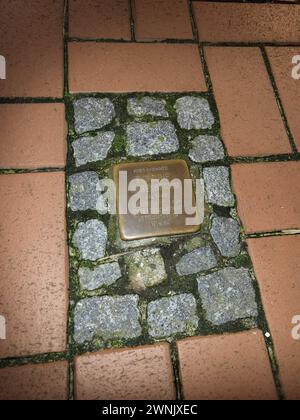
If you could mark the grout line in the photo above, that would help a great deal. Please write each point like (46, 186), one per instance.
(176, 372)
(292, 157)
(278, 99)
(34, 359)
(188, 41)
(30, 100)
(132, 21)
(248, 44)
(193, 22)
(17, 171)
(66, 94)
(133, 41)
(285, 232)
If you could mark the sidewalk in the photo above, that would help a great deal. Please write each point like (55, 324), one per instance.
(210, 315)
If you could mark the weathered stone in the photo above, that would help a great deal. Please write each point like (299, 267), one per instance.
(84, 191)
(92, 149)
(200, 259)
(90, 239)
(217, 186)
(226, 234)
(145, 269)
(172, 315)
(147, 106)
(194, 112)
(107, 317)
(104, 275)
(206, 149)
(151, 138)
(227, 295)
(92, 113)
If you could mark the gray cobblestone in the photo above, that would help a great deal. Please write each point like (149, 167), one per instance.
(227, 295)
(107, 317)
(172, 315)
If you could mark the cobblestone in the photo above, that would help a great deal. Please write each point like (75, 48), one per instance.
(145, 269)
(217, 186)
(92, 149)
(104, 275)
(151, 138)
(147, 106)
(200, 259)
(194, 113)
(227, 295)
(84, 191)
(107, 317)
(225, 233)
(206, 149)
(92, 114)
(172, 315)
(90, 239)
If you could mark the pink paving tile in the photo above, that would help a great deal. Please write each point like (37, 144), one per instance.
(226, 367)
(251, 123)
(31, 40)
(277, 266)
(120, 67)
(268, 195)
(33, 260)
(35, 382)
(140, 373)
(285, 71)
(163, 19)
(32, 136)
(247, 22)
(99, 19)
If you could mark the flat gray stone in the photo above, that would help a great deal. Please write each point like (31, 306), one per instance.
(92, 113)
(84, 191)
(218, 187)
(147, 106)
(107, 317)
(172, 315)
(92, 149)
(227, 295)
(146, 268)
(104, 275)
(151, 138)
(226, 235)
(206, 149)
(200, 259)
(194, 112)
(90, 239)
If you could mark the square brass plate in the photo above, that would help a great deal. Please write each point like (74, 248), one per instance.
(151, 225)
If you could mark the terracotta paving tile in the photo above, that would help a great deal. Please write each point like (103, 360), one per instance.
(268, 195)
(35, 382)
(130, 374)
(164, 19)
(119, 67)
(99, 19)
(289, 88)
(33, 277)
(31, 40)
(277, 265)
(32, 136)
(236, 22)
(233, 366)
(251, 123)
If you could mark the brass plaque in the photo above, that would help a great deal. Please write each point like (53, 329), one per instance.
(155, 222)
